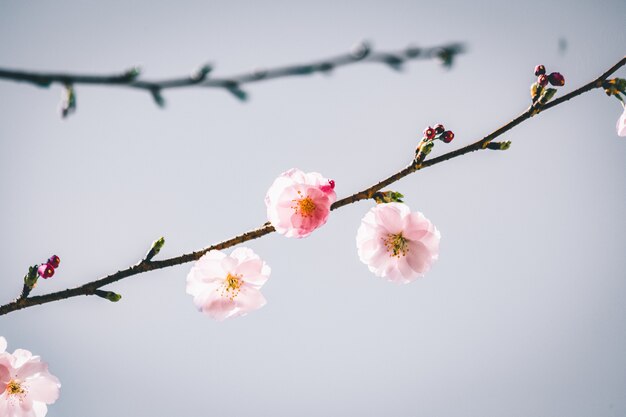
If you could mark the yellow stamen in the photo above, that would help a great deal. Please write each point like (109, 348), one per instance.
(14, 388)
(397, 245)
(232, 286)
(305, 206)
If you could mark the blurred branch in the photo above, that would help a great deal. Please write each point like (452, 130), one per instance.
(361, 53)
(146, 264)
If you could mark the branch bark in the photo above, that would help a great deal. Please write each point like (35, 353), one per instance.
(360, 54)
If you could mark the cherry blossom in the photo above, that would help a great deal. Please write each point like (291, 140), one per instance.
(27, 386)
(226, 286)
(298, 203)
(621, 124)
(397, 244)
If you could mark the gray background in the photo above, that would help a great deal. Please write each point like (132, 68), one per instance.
(524, 313)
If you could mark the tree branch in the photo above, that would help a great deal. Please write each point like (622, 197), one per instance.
(362, 52)
(149, 265)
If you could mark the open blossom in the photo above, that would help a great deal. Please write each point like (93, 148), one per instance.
(397, 244)
(225, 286)
(621, 124)
(26, 384)
(298, 202)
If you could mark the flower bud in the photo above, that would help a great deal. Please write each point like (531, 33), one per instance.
(542, 80)
(447, 137)
(439, 129)
(329, 187)
(429, 133)
(156, 247)
(556, 79)
(55, 261)
(30, 279)
(45, 270)
(540, 70)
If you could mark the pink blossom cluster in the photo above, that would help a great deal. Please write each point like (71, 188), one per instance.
(394, 242)
(26, 384)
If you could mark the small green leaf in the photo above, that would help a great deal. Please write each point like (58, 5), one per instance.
(68, 100)
(388, 197)
(108, 295)
(547, 95)
(201, 73)
(499, 146)
(131, 74)
(156, 247)
(31, 277)
(535, 91)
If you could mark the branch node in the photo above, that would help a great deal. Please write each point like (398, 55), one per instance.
(157, 97)
(360, 50)
(201, 73)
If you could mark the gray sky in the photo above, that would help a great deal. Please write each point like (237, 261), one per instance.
(523, 314)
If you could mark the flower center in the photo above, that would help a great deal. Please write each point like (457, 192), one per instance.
(305, 206)
(14, 388)
(397, 245)
(232, 286)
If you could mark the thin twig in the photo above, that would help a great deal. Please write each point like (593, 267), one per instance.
(362, 52)
(148, 265)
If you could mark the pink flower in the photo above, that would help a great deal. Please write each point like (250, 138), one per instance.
(228, 285)
(621, 124)
(298, 203)
(26, 384)
(396, 244)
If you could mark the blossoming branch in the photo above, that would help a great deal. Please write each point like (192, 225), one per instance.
(394, 242)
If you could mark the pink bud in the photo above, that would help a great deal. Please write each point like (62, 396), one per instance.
(55, 261)
(328, 188)
(429, 133)
(447, 136)
(542, 80)
(556, 79)
(45, 270)
(540, 70)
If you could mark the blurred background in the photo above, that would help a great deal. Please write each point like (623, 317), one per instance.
(523, 314)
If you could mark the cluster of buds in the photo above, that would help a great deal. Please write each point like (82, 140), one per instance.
(538, 91)
(554, 78)
(47, 270)
(430, 135)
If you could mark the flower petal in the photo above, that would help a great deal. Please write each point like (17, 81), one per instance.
(249, 299)
(30, 368)
(40, 409)
(44, 388)
(389, 216)
(220, 308)
(621, 124)
(21, 356)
